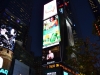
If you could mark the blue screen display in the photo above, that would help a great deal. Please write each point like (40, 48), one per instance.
(65, 73)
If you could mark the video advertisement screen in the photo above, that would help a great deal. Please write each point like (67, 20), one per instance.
(51, 55)
(51, 32)
(7, 37)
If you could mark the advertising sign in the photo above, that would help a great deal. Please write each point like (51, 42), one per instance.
(7, 37)
(50, 9)
(51, 55)
(53, 71)
(51, 32)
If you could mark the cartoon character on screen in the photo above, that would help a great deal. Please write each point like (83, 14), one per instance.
(4, 40)
(12, 38)
(50, 55)
(1, 62)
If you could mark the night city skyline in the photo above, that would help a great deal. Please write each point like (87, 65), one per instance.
(83, 19)
(50, 37)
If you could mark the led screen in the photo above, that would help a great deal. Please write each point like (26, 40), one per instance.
(50, 9)
(65, 73)
(51, 55)
(51, 32)
(7, 37)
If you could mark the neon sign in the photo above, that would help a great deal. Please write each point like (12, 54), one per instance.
(4, 71)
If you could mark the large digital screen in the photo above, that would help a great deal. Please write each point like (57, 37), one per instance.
(7, 37)
(51, 55)
(50, 9)
(51, 32)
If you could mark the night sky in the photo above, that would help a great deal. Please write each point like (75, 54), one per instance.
(37, 26)
(82, 14)
(84, 18)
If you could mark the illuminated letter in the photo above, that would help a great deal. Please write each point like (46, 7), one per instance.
(6, 72)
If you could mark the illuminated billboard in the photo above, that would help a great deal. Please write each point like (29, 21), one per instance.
(50, 9)
(7, 37)
(51, 32)
(51, 55)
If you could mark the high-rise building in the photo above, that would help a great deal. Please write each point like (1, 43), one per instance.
(21, 9)
(96, 11)
(3, 5)
(95, 8)
(17, 13)
(7, 18)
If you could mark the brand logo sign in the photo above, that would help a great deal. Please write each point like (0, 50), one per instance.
(4, 71)
(50, 9)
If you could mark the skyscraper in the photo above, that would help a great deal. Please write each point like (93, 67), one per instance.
(17, 13)
(95, 8)
(96, 11)
(21, 9)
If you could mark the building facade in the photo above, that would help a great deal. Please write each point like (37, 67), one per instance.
(21, 9)
(38, 65)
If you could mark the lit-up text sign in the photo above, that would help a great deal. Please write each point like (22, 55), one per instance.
(64, 68)
(2, 71)
(50, 9)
